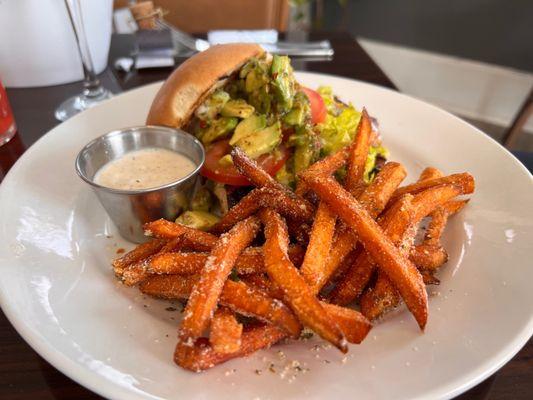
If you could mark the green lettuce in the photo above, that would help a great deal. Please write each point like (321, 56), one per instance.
(370, 165)
(338, 130)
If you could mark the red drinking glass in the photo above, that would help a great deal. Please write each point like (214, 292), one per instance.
(7, 122)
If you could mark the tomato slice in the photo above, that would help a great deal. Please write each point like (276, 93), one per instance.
(318, 108)
(229, 174)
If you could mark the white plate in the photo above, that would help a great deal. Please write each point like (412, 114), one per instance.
(58, 290)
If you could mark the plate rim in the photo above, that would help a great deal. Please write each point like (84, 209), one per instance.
(94, 382)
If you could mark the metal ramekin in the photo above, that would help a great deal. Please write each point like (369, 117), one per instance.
(130, 209)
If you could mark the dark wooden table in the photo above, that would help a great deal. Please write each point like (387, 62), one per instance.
(25, 375)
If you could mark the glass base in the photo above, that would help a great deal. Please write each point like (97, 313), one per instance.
(79, 103)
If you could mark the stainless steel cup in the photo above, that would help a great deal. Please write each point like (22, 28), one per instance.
(130, 209)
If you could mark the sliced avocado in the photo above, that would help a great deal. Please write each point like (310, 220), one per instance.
(197, 219)
(246, 68)
(300, 112)
(282, 81)
(202, 200)
(212, 106)
(296, 116)
(261, 142)
(248, 126)
(303, 156)
(225, 161)
(261, 99)
(255, 79)
(217, 129)
(237, 108)
(306, 148)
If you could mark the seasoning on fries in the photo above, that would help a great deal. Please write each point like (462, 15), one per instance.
(205, 293)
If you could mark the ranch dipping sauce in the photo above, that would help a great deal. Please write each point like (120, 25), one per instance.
(144, 169)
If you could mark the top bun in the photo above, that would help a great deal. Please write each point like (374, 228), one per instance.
(192, 82)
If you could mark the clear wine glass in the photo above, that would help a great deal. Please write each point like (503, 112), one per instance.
(93, 91)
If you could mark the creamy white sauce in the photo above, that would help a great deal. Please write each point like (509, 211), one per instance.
(144, 169)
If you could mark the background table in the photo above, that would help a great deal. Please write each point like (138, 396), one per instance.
(24, 374)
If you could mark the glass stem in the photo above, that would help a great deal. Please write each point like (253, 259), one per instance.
(91, 84)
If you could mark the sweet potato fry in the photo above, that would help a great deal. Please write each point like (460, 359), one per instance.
(328, 165)
(199, 356)
(354, 281)
(139, 253)
(439, 218)
(296, 292)
(319, 245)
(169, 287)
(301, 188)
(205, 294)
(383, 296)
(299, 231)
(398, 268)
(239, 296)
(226, 331)
(186, 263)
(262, 282)
(454, 206)
(135, 274)
(429, 173)
(200, 240)
(374, 198)
(245, 300)
(394, 223)
(451, 207)
(464, 181)
(344, 266)
(255, 174)
(429, 278)
(424, 203)
(296, 254)
(358, 154)
(429, 200)
(138, 271)
(179, 263)
(428, 257)
(379, 192)
(264, 197)
(352, 323)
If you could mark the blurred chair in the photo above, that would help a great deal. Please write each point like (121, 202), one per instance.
(200, 16)
(520, 120)
(120, 3)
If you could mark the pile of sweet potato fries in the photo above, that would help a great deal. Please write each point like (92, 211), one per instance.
(324, 246)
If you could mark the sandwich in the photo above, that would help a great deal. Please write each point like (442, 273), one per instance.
(238, 95)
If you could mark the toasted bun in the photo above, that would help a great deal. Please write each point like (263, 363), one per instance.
(190, 84)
